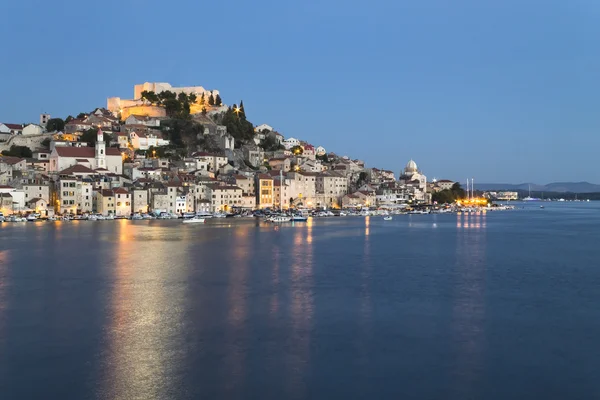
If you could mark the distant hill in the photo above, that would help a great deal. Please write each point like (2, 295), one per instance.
(557, 187)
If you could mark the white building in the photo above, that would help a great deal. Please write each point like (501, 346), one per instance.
(263, 127)
(142, 120)
(98, 157)
(143, 141)
(290, 142)
(33, 129)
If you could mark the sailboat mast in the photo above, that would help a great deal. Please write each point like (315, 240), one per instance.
(468, 195)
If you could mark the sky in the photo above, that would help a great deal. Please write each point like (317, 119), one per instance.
(502, 91)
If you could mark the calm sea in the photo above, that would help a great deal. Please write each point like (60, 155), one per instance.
(502, 305)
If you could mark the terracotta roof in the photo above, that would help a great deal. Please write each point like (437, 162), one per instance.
(216, 186)
(14, 126)
(106, 193)
(6, 187)
(10, 160)
(34, 200)
(78, 122)
(445, 180)
(264, 176)
(121, 191)
(84, 152)
(76, 169)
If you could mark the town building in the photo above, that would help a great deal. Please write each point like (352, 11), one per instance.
(98, 157)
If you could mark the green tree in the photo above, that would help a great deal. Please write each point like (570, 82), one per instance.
(242, 110)
(211, 100)
(91, 135)
(46, 143)
(166, 95)
(218, 101)
(202, 99)
(323, 158)
(297, 150)
(18, 151)
(55, 124)
(203, 110)
(182, 97)
(172, 107)
(192, 98)
(269, 143)
(69, 119)
(81, 115)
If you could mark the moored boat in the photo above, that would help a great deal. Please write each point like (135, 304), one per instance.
(193, 220)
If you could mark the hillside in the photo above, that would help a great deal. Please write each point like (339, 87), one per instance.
(557, 187)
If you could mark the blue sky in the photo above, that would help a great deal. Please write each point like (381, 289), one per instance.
(504, 91)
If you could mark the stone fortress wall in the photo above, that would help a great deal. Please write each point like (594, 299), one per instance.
(135, 106)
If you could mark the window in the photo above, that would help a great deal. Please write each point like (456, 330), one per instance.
(65, 184)
(26, 195)
(87, 197)
(127, 204)
(171, 204)
(119, 204)
(119, 196)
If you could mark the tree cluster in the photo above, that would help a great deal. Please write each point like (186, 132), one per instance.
(269, 143)
(91, 135)
(237, 124)
(55, 124)
(449, 196)
(178, 105)
(18, 151)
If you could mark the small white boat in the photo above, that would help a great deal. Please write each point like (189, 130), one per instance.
(110, 217)
(203, 214)
(92, 217)
(147, 216)
(220, 215)
(31, 217)
(51, 219)
(100, 217)
(387, 218)
(299, 218)
(194, 220)
(280, 218)
(136, 217)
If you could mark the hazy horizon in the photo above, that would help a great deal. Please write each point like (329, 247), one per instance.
(502, 92)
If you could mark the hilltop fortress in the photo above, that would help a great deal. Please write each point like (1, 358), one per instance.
(136, 106)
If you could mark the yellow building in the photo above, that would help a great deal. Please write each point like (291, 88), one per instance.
(264, 191)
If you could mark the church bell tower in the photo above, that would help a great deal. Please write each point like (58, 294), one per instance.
(100, 150)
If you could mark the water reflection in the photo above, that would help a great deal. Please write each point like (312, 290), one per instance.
(471, 220)
(145, 315)
(3, 289)
(469, 303)
(237, 297)
(301, 309)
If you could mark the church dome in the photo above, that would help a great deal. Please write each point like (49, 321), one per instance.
(411, 166)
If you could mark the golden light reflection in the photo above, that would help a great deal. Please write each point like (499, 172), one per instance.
(469, 303)
(475, 221)
(367, 225)
(3, 285)
(144, 312)
(301, 307)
